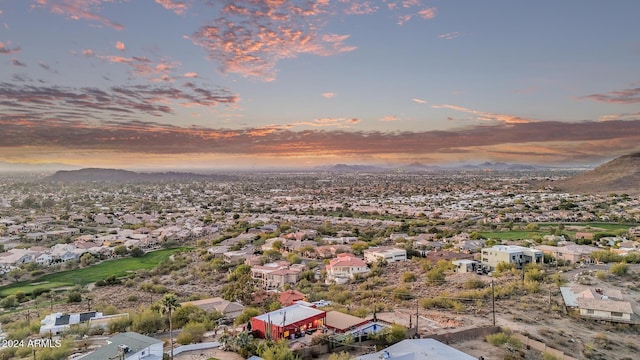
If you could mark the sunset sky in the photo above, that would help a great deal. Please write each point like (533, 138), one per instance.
(143, 84)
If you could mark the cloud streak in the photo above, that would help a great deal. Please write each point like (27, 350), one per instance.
(626, 96)
(80, 10)
(152, 138)
(35, 103)
(486, 116)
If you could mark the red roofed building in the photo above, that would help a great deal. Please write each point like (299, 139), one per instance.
(289, 322)
(290, 297)
(345, 267)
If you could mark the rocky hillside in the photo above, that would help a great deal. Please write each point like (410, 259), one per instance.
(621, 175)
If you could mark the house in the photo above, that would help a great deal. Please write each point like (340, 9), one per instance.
(510, 254)
(229, 309)
(466, 266)
(345, 267)
(277, 274)
(341, 323)
(56, 323)
(290, 297)
(129, 346)
(418, 349)
(571, 253)
(289, 322)
(599, 304)
(387, 253)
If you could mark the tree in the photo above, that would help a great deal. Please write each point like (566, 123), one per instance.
(343, 355)
(87, 259)
(137, 252)
(16, 274)
(191, 333)
(168, 304)
(120, 250)
(278, 351)
(146, 322)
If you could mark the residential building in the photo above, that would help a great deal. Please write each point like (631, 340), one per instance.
(510, 254)
(571, 253)
(129, 346)
(290, 297)
(229, 309)
(345, 267)
(466, 265)
(277, 274)
(599, 304)
(288, 322)
(418, 349)
(387, 253)
(56, 323)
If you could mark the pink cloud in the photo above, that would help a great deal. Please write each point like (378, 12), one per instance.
(177, 7)
(419, 101)
(249, 38)
(389, 118)
(361, 8)
(191, 75)
(80, 10)
(428, 13)
(88, 52)
(120, 45)
(328, 95)
(486, 116)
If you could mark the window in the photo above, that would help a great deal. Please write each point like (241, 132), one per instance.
(618, 314)
(589, 311)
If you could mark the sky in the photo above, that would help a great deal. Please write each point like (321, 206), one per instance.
(275, 83)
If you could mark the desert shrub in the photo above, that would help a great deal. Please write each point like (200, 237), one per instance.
(501, 338)
(619, 269)
(408, 277)
(118, 325)
(191, 333)
(474, 283)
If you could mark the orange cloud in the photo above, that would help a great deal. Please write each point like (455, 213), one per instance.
(419, 101)
(486, 116)
(191, 75)
(389, 118)
(120, 45)
(329, 95)
(625, 116)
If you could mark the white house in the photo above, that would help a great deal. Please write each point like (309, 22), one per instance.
(386, 253)
(599, 304)
(345, 267)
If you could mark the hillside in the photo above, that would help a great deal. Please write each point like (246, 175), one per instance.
(621, 175)
(117, 175)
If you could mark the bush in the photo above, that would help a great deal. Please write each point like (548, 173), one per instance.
(619, 269)
(119, 325)
(502, 338)
(408, 277)
(74, 297)
(474, 283)
(191, 333)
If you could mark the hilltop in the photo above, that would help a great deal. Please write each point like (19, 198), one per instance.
(118, 175)
(618, 175)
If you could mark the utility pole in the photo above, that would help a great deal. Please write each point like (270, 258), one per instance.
(417, 317)
(493, 302)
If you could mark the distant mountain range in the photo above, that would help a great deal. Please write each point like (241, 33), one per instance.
(117, 175)
(620, 175)
(418, 167)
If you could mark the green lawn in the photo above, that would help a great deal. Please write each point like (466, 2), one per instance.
(84, 276)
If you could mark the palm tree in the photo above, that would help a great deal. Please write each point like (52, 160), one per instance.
(168, 303)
